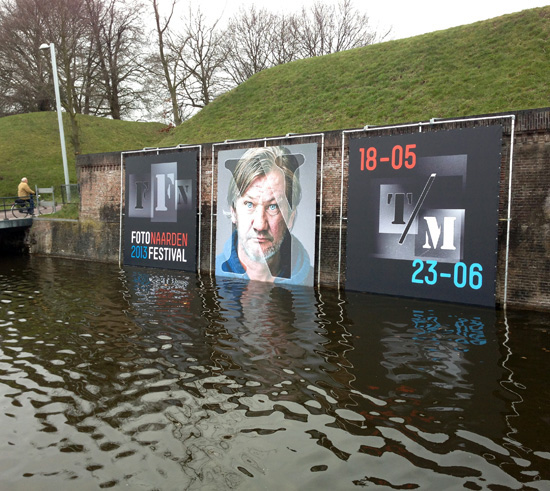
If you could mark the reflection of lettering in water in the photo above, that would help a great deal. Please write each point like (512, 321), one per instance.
(163, 292)
(149, 285)
(432, 347)
(464, 331)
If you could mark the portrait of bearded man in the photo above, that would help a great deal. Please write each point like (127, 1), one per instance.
(263, 197)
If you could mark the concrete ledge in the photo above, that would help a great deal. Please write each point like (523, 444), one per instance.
(16, 223)
(74, 239)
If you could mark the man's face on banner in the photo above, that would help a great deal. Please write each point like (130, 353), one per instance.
(262, 217)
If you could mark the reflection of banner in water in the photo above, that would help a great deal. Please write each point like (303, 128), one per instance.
(160, 290)
(167, 305)
(273, 335)
(436, 358)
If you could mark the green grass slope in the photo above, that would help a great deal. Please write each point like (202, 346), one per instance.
(29, 146)
(497, 65)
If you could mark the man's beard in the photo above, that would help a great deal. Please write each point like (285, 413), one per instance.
(257, 254)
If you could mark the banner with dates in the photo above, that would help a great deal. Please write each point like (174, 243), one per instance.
(160, 225)
(423, 215)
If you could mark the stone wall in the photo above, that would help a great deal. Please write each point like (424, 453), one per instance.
(75, 239)
(527, 277)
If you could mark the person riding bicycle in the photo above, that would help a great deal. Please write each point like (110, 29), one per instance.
(25, 193)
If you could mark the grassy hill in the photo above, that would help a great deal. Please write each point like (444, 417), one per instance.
(29, 146)
(498, 65)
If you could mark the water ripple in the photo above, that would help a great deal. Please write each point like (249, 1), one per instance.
(158, 380)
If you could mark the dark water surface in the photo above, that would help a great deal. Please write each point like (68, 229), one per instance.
(150, 379)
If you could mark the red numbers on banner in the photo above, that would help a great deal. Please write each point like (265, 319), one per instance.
(370, 161)
(399, 157)
(410, 156)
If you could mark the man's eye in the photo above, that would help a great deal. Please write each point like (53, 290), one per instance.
(248, 205)
(273, 209)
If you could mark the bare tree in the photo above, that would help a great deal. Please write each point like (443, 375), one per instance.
(115, 28)
(316, 30)
(96, 42)
(202, 54)
(332, 28)
(285, 39)
(259, 39)
(248, 43)
(189, 60)
(26, 80)
(23, 70)
(167, 58)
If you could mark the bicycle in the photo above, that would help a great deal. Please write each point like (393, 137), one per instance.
(21, 208)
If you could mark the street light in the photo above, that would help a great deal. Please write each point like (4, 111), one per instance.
(59, 117)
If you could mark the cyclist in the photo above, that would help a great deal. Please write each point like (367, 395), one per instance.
(25, 193)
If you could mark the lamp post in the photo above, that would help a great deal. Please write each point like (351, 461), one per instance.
(59, 117)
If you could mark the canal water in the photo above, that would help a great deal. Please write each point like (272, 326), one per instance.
(160, 380)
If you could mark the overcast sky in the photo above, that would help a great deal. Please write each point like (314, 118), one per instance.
(406, 17)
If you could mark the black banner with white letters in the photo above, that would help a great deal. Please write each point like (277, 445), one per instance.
(423, 214)
(160, 224)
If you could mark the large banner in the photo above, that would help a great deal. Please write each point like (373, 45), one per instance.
(160, 224)
(265, 227)
(423, 215)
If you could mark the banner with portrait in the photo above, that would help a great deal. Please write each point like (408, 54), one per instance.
(265, 228)
(160, 223)
(423, 214)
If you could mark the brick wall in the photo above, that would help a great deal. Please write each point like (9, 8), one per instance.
(526, 280)
(99, 180)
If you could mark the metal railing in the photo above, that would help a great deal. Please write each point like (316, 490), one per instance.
(7, 203)
(70, 193)
(5, 206)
